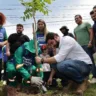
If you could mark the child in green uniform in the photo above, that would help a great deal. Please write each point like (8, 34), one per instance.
(25, 58)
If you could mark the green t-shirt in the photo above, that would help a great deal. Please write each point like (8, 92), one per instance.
(82, 34)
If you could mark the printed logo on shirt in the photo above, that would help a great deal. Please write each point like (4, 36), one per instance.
(41, 39)
(27, 61)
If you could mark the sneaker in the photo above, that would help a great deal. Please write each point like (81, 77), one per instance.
(92, 81)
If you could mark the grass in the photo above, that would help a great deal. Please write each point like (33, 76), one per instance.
(91, 91)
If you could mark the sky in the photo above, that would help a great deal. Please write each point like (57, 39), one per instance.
(62, 13)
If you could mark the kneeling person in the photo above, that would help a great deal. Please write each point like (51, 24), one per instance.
(72, 62)
(25, 63)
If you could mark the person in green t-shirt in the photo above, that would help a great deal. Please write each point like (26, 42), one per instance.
(84, 35)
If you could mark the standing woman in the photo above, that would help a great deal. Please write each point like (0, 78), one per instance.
(3, 37)
(41, 36)
(41, 32)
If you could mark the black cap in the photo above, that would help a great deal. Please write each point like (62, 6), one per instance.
(64, 27)
(92, 12)
(94, 7)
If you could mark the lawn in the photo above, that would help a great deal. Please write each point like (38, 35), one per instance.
(91, 91)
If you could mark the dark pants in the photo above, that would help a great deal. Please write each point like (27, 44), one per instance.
(0, 68)
(90, 52)
(46, 77)
(64, 81)
(74, 70)
(5, 76)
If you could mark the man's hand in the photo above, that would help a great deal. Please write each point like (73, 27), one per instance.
(89, 45)
(49, 82)
(36, 80)
(38, 60)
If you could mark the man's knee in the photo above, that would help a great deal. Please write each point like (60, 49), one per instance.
(61, 66)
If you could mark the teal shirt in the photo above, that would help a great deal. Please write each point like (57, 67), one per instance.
(82, 34)
(29, 46)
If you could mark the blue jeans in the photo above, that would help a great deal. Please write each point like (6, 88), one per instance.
(90, 52)
(73, 70)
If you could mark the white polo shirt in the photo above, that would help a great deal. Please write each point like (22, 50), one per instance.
(70, 49)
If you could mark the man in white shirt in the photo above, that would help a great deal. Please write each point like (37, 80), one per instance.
(71, 61)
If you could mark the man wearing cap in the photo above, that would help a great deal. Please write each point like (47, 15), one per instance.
(65, 31)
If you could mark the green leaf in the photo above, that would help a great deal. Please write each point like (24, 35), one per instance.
(32, 6)
(23, 18)
(48, 1)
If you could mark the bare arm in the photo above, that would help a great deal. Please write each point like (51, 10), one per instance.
(52, 73)
(91, 37)
(51, 77)
(7, 49)
(75, 37)
(50, 60)
(3, 43)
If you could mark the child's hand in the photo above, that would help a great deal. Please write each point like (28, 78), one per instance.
(49, 82)
(38, 60)
(39, 70)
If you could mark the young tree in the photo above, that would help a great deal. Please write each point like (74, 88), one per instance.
(33, 6)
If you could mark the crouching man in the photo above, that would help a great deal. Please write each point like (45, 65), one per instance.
(71, 60)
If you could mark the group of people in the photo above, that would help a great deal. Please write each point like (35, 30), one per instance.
(69, 57)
